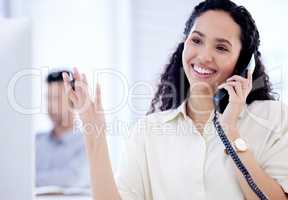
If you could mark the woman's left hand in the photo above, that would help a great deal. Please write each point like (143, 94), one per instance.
(238, 89)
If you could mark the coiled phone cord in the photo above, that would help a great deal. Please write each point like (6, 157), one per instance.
(236, 158)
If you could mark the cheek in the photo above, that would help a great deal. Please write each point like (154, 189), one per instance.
(187, 55)
(227, 63)
(185, 64)
(226, 68)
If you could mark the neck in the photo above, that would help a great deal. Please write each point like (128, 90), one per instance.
(200, 104)
(59, 130)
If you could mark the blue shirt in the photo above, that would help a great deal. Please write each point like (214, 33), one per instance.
(61, 162)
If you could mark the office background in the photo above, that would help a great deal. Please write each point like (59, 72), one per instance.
(127, 42)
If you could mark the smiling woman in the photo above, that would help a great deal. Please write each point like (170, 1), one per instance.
(175, 152)
(209, 49)
(233, 36)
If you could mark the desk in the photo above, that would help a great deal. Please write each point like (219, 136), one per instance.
(62, 197)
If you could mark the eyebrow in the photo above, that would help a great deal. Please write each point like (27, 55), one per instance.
(222, 40)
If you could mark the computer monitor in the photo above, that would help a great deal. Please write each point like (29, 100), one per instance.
(16, 138)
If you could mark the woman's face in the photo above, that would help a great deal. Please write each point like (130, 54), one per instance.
(211, 50)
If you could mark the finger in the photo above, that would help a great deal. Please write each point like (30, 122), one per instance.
(231, 91)
(84, 78)
(238, 78)
(72, 96)
(66, 81)
(82, 86)
(244, 82)
(250, 73)
(76, 74)
(231, 83)
(98, 97)
(221, 86)
(68, 88)
(237, 86)
(228, 86)
(79, 86)
(250, 77)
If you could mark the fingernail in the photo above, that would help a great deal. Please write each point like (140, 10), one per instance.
(64, 76)
(75, 69)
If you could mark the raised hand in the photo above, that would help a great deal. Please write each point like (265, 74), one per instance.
(90, 111)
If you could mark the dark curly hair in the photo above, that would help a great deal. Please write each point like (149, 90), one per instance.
(174, 86)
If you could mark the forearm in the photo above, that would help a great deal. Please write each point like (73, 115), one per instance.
(268, 185)
(92, 115)
(102, 180)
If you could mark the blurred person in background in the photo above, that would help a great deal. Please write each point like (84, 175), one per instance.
(60, 152)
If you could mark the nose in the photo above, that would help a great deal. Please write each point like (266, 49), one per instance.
(205, 56)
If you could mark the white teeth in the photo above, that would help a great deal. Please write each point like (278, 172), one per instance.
(202, 70)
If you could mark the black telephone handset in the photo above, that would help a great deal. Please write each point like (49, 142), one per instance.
(222, 94)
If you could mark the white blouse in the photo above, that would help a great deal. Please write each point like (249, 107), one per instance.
(166, 158)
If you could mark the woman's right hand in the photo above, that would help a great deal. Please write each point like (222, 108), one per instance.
(90, 111)
(92, 116)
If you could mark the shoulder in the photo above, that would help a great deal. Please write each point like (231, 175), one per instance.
(273, 113)
(269, 109)
(42, 141)
(269, 105)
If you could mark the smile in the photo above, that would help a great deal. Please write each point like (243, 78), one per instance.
(203, 72)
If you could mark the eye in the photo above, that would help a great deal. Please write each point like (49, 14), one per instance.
(222, 48)
(196, 40)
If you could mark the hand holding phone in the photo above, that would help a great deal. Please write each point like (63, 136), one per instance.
(221, 95)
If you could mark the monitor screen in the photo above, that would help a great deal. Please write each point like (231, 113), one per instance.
(16, 138)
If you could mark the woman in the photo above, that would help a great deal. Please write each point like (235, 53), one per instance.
(176, 153)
